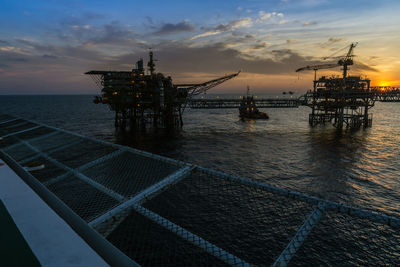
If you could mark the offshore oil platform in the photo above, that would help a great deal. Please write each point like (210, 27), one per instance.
(142, 99)
(344, 101)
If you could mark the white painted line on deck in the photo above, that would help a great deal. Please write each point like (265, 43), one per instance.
(22, 131)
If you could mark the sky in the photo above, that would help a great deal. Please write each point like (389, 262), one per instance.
(47, 46)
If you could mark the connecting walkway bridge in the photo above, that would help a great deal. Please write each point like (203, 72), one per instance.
(235, 103)
(136, 208)
(377, 93)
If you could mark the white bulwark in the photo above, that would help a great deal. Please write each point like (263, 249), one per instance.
(50, 238)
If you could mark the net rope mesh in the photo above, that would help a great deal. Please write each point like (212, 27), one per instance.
(164, 212)
(247, 221)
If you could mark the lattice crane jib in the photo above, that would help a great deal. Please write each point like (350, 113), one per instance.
(317, 67)
(344, 61)
(97, 78)
(196, 89)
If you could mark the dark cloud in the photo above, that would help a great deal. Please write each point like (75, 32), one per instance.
(177, 58)
(2, 42)
(169, 28)
(63, 66)
(82, 52)
(292, 41)
(280, 54)
(237, 39)
(221, 28)
(36, 72)
(25, 42)
(49, 56)
(112, 33)
(332, 41)
(260, 46)
(12, 57)
(363, 67)
(228, 26)
(239, 36)
(36, 47)
(79, 29)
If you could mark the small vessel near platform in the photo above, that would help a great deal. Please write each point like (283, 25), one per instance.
(248, 109)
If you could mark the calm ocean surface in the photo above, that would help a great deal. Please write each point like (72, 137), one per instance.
(360, 168)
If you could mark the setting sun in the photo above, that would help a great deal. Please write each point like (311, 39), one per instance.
(386, 83)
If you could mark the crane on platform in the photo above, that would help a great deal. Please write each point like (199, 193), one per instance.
(344, 61)
(199, 88)
(317, 67)
(194, 89)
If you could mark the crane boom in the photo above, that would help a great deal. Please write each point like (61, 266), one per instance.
(317, 67)
(347, 60)
(195, 89)
(349, 53)
(343, 61)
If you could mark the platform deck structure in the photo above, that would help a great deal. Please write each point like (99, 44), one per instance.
(160, 211)
(341, 101)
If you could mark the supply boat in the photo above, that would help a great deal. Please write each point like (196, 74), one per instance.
(248, 109)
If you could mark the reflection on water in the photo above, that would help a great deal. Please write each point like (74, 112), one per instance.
(355, 167)
(248, 125)
(330, 152)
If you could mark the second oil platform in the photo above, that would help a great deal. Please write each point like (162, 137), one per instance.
(344, 101)
(142, 100)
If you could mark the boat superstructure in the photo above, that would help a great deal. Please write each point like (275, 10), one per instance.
(248, 109)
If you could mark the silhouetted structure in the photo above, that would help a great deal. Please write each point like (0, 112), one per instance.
(141, 99)
(248, 109)
(342, 101)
